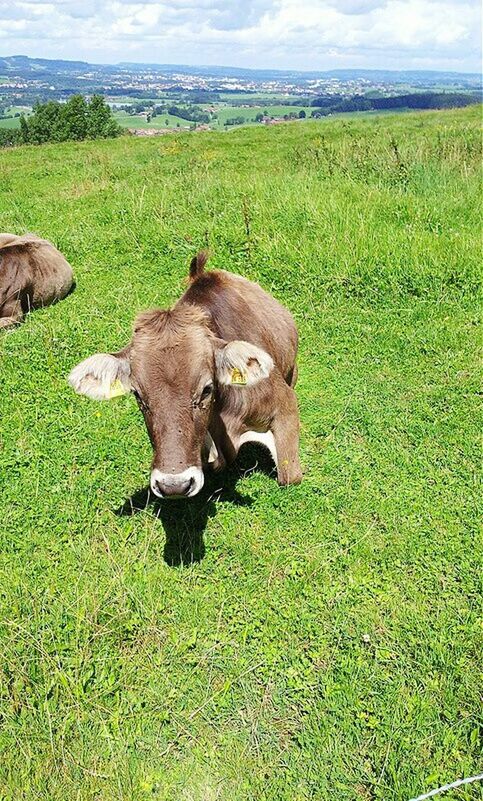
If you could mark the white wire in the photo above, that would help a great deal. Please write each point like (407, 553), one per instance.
(451, 786)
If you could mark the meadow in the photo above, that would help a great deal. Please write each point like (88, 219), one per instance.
(316, 643)
(10, 122)
(223, 113)
(138, 121)
(250, 113)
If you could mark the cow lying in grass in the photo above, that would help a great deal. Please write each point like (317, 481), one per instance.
(32, 274)
(215, 371)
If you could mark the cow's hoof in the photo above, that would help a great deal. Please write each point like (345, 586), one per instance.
(8, 322)
(290, 478)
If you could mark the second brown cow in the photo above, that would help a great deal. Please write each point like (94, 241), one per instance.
(33, 273)
(215, 371)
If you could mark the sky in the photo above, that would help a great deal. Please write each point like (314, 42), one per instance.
(278, 34)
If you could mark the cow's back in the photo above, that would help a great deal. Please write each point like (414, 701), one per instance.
(15, 273)
(241, 309)
(33, 270)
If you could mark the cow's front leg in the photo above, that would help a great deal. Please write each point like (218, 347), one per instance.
(285, 428)
(10, 314)
(223, 442)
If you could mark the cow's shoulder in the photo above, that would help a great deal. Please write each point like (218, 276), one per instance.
(206, 286)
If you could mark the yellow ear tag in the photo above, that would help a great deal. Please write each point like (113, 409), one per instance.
(116, 389)
(237, 377)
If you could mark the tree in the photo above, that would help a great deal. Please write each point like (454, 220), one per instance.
(10, 137)
(100, 122)
(76, 119)
(302, 114)
(45, 124)
(259, 117)
(235, 121)
(74, 122)
(24, 130)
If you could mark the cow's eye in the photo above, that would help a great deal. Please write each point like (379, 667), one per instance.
(207, 391)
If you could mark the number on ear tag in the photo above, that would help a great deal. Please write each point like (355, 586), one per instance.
(237, 377)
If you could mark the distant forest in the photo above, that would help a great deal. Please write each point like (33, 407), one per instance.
(330, 104)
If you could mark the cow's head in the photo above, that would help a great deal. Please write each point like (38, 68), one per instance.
(176, 368)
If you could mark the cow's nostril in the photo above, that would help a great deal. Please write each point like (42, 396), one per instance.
(173, 488)
(169, 485)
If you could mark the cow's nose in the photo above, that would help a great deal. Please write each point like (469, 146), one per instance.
(177, 485)
(174, 488)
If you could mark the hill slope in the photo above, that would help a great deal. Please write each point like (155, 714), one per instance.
(254, 643)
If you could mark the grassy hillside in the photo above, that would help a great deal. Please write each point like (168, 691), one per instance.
(319, 642)
(10, 122)
(138, 121)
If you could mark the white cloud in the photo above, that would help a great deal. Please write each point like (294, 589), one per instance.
(303, 34)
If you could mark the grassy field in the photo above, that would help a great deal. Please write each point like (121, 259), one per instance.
(250, 113)
(223, 113)
(137, 121)
(228, 97)
(316, 643)
(10, 122)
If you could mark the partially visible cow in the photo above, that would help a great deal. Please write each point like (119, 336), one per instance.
(215, 371)
(33, 273)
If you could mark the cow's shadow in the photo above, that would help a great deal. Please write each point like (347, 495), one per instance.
(184, 521)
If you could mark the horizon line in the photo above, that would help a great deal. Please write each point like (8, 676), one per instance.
(246, 69)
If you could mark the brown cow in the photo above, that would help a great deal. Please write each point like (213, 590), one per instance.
(32, 274)
(215, 371)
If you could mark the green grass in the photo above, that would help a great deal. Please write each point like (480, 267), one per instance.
(265, 97)
(20, 109)
(226, 112)
(137, 121)
(319, 642)
(10, 122)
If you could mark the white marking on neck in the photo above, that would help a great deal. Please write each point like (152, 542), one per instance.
(263, 438)
(210, 449)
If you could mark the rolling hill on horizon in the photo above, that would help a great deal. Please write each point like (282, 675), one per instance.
(23, 62)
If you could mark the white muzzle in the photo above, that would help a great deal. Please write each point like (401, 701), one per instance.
(177, 485)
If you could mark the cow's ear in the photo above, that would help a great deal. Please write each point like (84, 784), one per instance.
(102, 376)
(240, 363)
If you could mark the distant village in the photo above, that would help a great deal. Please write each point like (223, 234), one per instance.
(156, 101)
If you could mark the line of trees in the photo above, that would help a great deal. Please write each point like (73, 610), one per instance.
(235, 121)
(76, 119)
(329, 104)
(192, 113)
